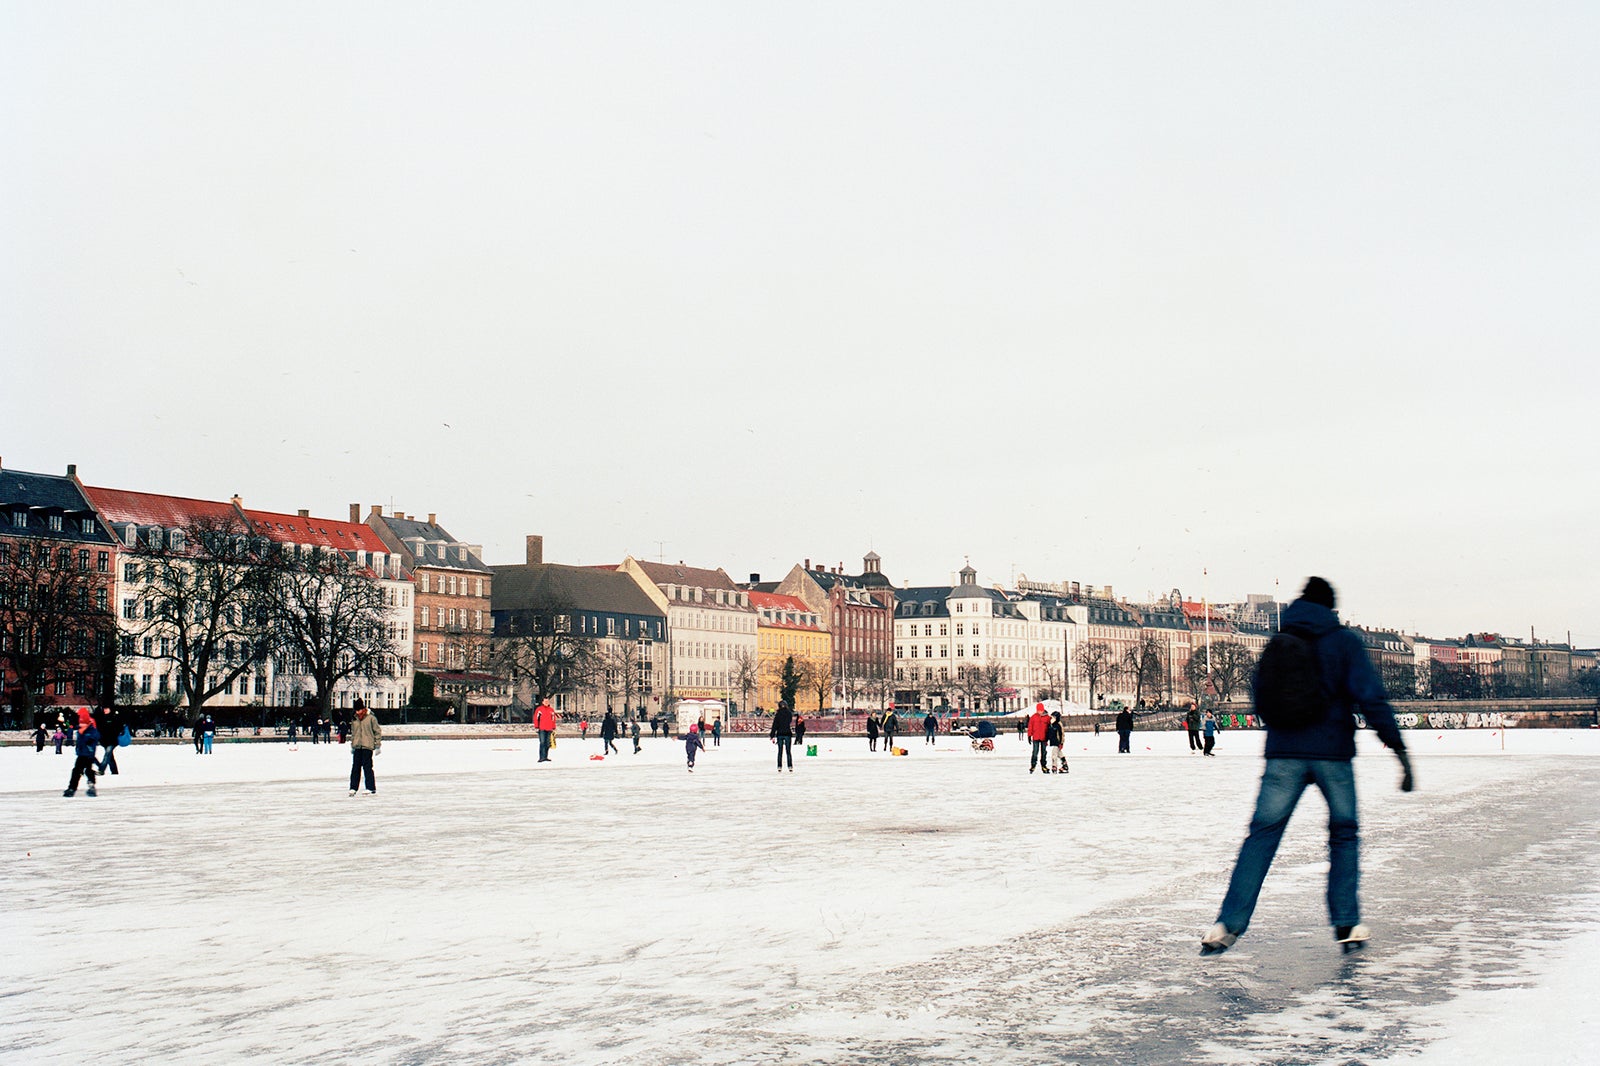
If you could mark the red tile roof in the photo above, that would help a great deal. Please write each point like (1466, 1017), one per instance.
(773, 601)
(326, 532)
(153, 509)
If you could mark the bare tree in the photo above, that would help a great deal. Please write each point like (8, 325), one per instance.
(468, 651)
(879, 684)
(744, 672)
(328, 617)
(540, 649)
(621, 661)
(56, 624)
(203, 603)
(1050, 676)
(1145, 662)
(816, 675)
(968, 682)
(1230, 666)
(1096, 663)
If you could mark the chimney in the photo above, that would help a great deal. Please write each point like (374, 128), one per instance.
(237, 500)
(433, 519)
(377, 511)
(535, 549)
(755, 579)
(355, 512)
(808, 564)
(72, 471)
(303, 513)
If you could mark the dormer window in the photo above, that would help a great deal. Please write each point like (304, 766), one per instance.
(175, 539)
(86, 525)
(130, 535)
(54, 522)
(19, 518)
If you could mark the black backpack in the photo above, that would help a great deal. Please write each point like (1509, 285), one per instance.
(1289, 691)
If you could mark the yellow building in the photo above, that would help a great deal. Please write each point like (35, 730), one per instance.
(785, 626)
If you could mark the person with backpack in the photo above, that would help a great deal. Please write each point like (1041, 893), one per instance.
(1312, 680)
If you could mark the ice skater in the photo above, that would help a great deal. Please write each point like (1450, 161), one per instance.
(1191, 722)
(891, 726)
(634, 732)
(88, 739)
(366, 740)
(544, 720)
(39, 737)
(110, 737)
(692, 743)
(1039, 736)
(872, 732)
(608, 734)
(799, 731)
(782, 734)
(716, 733)
(930, 726)
(1211, 734)
(1124, 731)
(1056, 740)
(208, 732)
(1307, 689)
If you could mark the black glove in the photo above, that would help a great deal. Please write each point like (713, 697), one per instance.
(1407, 781)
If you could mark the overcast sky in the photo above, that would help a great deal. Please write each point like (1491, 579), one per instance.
(1149, 295)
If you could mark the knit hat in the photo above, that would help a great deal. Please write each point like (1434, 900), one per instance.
(1318, 591)
(85, 719)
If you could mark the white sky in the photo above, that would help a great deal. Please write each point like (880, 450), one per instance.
(1109, 293)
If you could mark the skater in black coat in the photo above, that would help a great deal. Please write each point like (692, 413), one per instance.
(608, 734)
(1124, 731)
(109, 733)
(872, 732)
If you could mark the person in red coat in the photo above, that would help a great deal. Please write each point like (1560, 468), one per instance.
(544, 720)
(1038, 734)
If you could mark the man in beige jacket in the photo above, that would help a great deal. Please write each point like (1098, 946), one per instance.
(366, 739)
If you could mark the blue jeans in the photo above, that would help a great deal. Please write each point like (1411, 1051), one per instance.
(544, 744)
(1282, 783)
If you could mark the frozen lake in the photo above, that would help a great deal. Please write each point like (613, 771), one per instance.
(943, 907)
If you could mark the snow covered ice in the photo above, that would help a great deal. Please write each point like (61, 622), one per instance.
(942, 907)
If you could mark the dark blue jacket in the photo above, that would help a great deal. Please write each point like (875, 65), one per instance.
(88, 740)
(1352, 684)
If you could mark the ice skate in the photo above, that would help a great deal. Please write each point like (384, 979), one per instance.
(1351, 937)
(1217, 940)
(91, 791)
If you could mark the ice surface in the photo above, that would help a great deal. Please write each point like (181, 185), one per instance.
(946, 906)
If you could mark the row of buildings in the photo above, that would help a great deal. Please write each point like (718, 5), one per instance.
(651, 632)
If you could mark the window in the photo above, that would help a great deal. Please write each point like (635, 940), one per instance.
(149, 646)
(927, 651)
(144, 684)
(86, 525)
(422, 653)
(944, 651)
(19, 519)
(55, 527)
(125, 684)
(130, 572)
(913, 652)
(83, 559)
(424, 618)
(130, 608)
